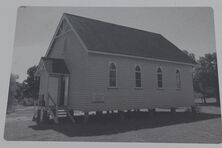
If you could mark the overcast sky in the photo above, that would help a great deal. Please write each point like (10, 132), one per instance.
(191, 29)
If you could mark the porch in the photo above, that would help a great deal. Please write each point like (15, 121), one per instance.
(53, 76)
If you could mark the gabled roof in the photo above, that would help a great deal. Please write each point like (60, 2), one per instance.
(56, 66)
(111, 38)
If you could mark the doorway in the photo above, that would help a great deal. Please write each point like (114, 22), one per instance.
(61, 99)
(58, 90)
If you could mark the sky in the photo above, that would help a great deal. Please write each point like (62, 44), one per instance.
(190, 29)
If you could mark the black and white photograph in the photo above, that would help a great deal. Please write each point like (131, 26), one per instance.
(114, 74)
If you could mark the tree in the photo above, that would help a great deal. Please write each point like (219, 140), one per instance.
(12, 92)
(30, 85)
(206, 74)
(195, 81)
(19, 92)
(205, 77)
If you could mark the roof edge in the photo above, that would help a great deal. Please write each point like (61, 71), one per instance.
(139, 57)
(75, 32)
(54, 35)
(192, 61)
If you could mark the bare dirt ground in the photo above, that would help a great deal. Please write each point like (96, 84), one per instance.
(181, 127)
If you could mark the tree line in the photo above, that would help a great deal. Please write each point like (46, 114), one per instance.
(19, 91)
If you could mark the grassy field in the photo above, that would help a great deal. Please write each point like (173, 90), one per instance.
(181, 127)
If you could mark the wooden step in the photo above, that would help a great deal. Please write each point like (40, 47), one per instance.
(61, 112)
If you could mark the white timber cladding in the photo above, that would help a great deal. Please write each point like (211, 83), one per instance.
(89, 79)
(53, 89)
(126, 96)
(43, 81)
(71, 48)
(43, 84)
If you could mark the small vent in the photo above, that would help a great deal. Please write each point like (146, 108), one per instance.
(98, 98)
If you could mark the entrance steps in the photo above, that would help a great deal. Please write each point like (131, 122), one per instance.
(61, 112)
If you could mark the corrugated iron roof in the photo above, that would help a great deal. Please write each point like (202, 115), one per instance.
(112, 38)
(56, 66)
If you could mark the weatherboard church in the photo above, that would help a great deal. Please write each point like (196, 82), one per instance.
(92, 65)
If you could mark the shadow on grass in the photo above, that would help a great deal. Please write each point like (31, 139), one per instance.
(111, 124)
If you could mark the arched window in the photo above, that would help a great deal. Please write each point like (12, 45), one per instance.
(138, 76)
(112, 75)
(178, 81)
(159, 78)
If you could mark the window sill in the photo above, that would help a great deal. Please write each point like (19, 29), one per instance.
(112, 87)
(138, 88)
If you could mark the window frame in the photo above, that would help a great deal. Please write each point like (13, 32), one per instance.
(135, 80)
(157, 76)
(178, 81)
(109, 70)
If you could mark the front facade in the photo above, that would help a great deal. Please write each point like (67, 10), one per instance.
(102, 74)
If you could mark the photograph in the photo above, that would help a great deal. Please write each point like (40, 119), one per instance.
(114, 74)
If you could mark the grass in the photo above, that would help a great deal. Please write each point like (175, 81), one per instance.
(181, 127)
